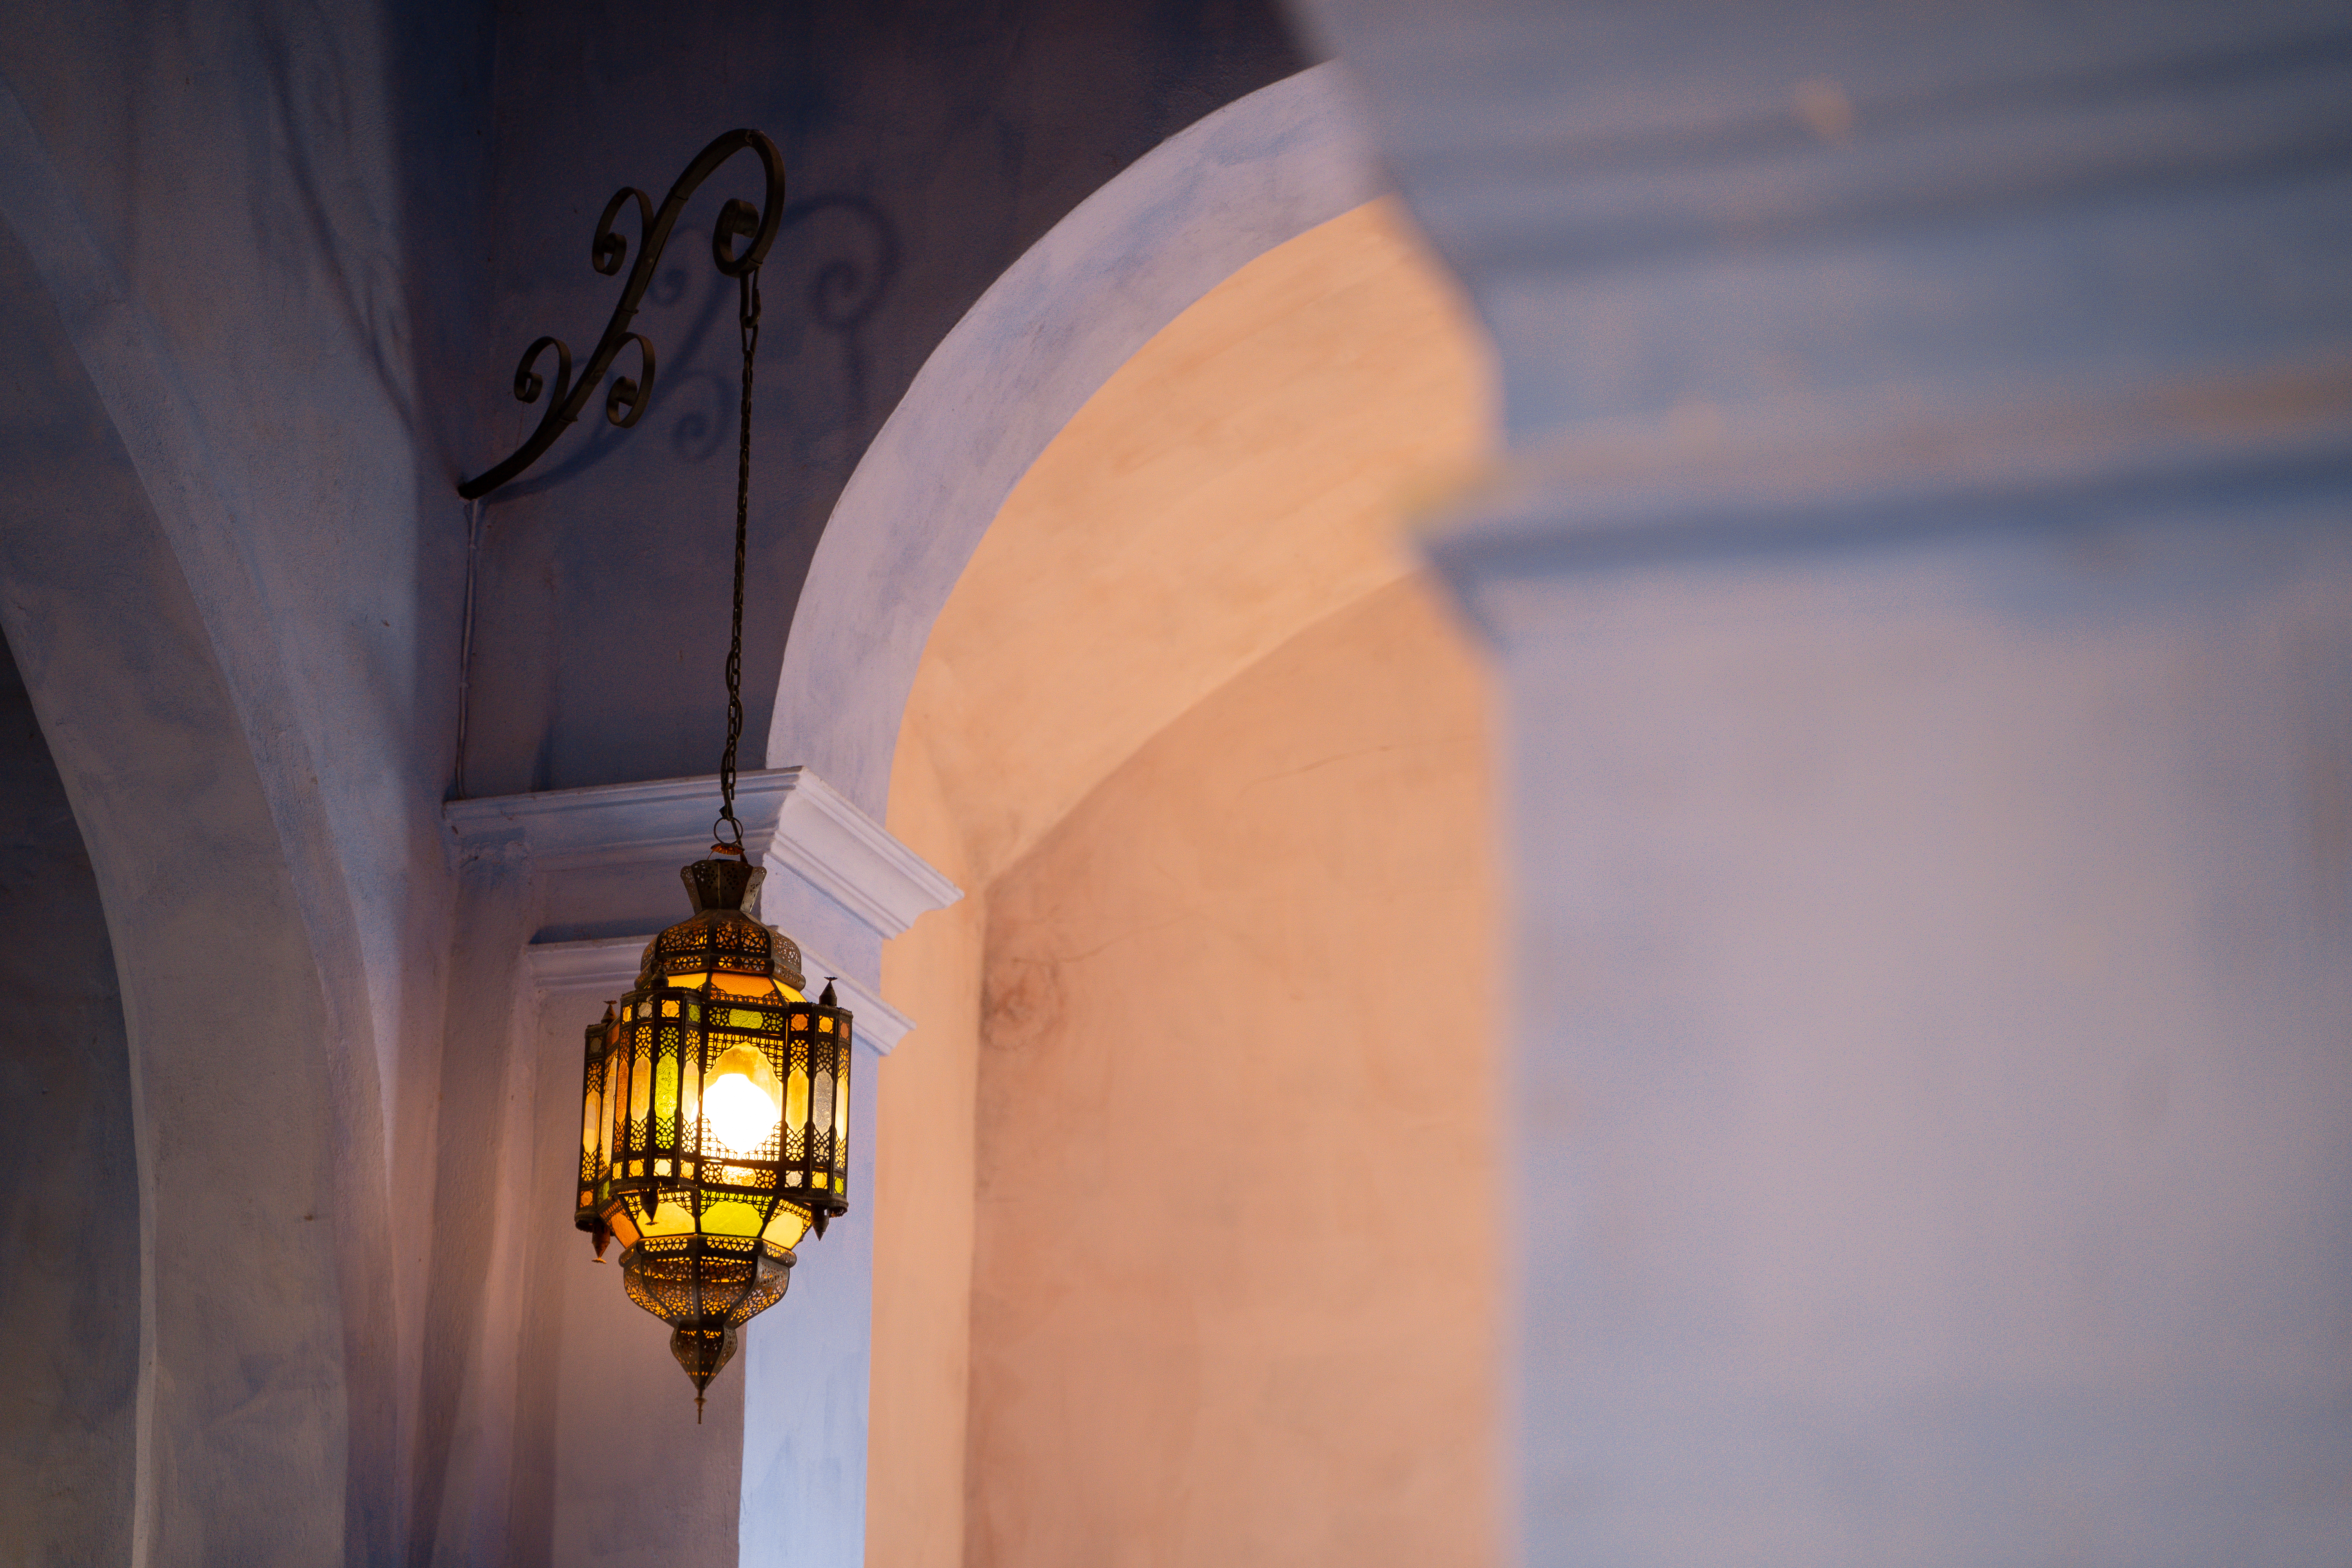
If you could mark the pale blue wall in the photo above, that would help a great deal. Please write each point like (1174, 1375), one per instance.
(1922, 586)
(228, 572)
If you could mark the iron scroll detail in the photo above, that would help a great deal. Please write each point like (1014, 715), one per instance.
(625, 403)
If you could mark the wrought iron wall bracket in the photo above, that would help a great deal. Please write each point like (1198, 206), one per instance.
(625, 402)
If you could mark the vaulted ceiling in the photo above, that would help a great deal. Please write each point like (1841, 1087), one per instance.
(1246, 474)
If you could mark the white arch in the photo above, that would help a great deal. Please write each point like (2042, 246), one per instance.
(1076, 307)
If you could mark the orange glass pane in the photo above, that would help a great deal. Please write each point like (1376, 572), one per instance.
(797, 1098)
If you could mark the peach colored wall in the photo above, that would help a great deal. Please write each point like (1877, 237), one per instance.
(1236, 481)
(1234, 1289)
(922, 1201)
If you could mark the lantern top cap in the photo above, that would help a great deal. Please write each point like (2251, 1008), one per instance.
(721, 936)
(717, 884)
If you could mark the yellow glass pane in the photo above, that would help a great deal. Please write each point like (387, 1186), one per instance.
(591, 1124)
(786, 1227)
(666, 1088)
(841, 1097)
(641, 1086)
(615, 1107)
(670, 1219)
(731, 1218)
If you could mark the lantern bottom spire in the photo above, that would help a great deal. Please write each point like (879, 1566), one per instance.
(705, 1295)
(703, 1350)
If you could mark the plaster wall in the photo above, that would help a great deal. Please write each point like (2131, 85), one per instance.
(1232, 481)
(1934, 971)
(69, 1194)
(927, 149)
(1234, 1292)
(925, 1096)
(606, 1389)
(1236, 479)
(1918, 577)
(234, 609)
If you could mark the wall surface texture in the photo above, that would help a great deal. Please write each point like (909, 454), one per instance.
(1234, 1291)
(69, 1199)
(1225, 494)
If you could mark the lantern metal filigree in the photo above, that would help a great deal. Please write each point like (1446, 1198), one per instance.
(715, 1120)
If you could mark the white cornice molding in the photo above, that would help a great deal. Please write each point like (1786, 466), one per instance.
(606, 966)
(565, 827)
(852, 858)
(792, 819)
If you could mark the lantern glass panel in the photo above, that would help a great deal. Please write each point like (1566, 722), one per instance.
(786, 1228)
(730, 1217)
(796, 1094)
(669, 1217)
(739, 1107)
(617, 1079)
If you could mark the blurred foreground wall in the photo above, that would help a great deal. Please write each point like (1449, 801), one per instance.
(1923, 589)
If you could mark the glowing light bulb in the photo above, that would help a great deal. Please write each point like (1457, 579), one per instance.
(739, 1115)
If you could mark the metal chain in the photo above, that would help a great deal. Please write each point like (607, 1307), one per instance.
(749, 316)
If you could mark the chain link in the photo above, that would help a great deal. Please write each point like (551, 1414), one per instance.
(749, 316)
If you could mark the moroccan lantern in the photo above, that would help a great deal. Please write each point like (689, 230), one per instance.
(715, 1120)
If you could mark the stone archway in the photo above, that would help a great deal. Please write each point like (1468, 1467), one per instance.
(1172, 554)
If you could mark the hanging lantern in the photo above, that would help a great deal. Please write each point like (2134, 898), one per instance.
(715, 1120)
